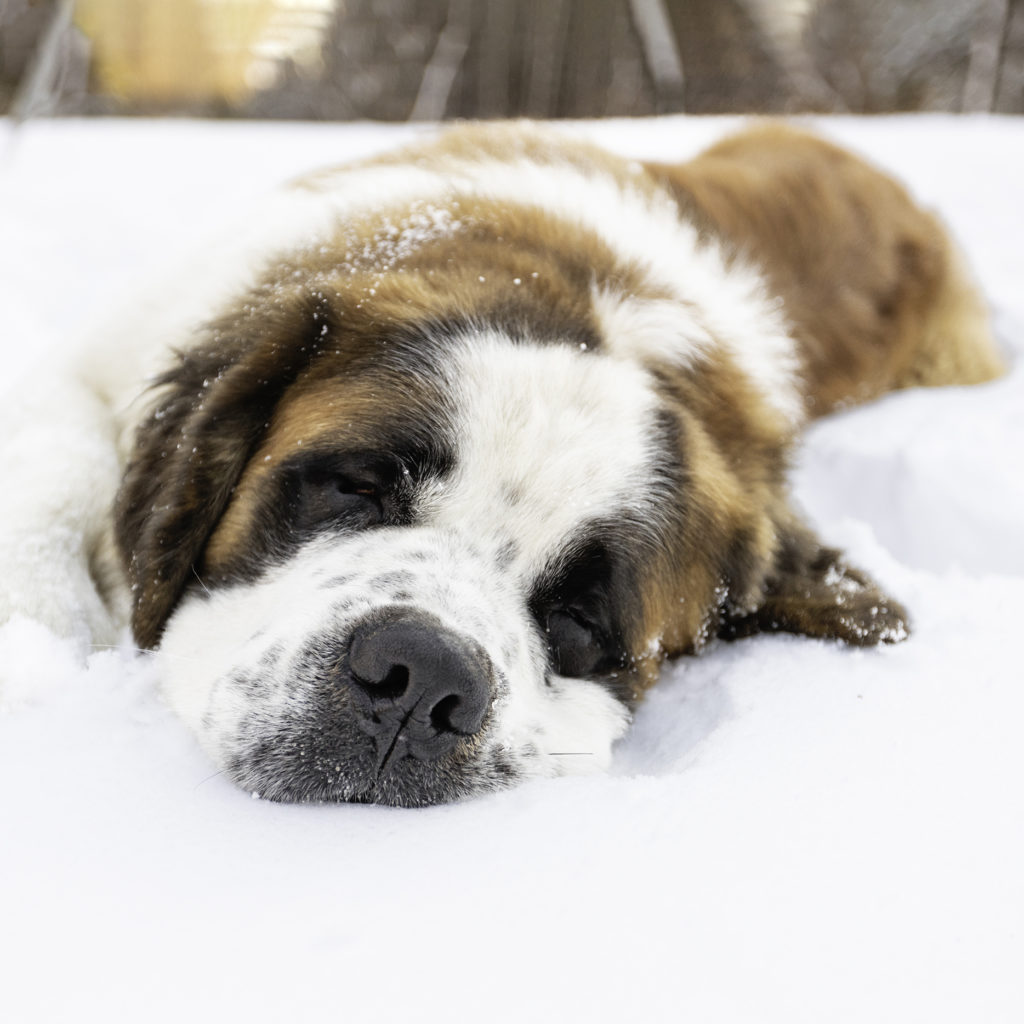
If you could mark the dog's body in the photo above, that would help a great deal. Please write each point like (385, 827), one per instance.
(452, 448)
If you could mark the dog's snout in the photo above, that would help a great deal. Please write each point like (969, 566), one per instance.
(423, 686)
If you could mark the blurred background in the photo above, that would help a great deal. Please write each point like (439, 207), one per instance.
(400, 60)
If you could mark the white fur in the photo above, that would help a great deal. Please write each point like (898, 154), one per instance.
(651, 330)
(569, 431)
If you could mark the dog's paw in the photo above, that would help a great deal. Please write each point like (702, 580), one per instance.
(814, 592)
(840, 603)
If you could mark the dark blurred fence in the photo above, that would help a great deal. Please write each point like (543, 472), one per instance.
(430, 59)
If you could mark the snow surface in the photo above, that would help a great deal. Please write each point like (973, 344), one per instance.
(793, 831)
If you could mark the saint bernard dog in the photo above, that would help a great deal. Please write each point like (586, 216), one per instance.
(414, 480)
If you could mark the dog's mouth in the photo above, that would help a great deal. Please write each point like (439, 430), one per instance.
(401, 716)
(300, 764)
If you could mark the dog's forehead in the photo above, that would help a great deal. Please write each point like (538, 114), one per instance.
(548, 437)
(527, 446)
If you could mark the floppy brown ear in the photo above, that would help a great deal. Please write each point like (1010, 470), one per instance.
(210, 412)
(812, 591)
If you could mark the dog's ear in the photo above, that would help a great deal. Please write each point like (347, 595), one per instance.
(812, 591)
(210, 411)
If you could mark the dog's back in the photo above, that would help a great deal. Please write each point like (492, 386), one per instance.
(878, 296)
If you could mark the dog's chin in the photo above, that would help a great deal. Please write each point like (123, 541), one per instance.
(333, 766)
(320, 745)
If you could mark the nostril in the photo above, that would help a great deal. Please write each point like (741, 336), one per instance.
(388, 684)
(443, 714)
(393, 685)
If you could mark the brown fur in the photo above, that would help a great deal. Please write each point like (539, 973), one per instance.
(879, 299)
(877, 296)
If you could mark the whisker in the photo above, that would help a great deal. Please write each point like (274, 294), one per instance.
(209, 778)
(122, 647)
(141, 650)
(195, 573)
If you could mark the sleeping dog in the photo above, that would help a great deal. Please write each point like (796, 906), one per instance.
(414, 481)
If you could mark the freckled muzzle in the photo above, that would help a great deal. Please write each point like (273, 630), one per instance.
(396, 710)
(398, 688)
(400, 667)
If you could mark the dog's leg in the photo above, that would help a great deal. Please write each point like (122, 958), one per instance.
(59, 467)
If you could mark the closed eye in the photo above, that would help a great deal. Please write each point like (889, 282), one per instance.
(344, 491)
(338, 501)
(573, 608)
(577, 646)
(354, 489)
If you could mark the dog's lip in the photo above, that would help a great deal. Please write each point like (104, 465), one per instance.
(393, 786)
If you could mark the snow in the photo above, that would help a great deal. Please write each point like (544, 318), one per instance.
(792, 831)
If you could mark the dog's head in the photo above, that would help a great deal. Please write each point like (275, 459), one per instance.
(410, 535)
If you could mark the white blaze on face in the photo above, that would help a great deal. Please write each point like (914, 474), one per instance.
(548, 439)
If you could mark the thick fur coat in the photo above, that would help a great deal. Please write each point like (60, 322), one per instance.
(414, 483)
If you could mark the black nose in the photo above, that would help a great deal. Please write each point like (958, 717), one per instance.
(419, 687)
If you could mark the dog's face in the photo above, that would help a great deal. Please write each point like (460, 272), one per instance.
(438, 576)
(421, 522)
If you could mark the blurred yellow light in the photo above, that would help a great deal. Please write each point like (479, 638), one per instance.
(165, 52)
